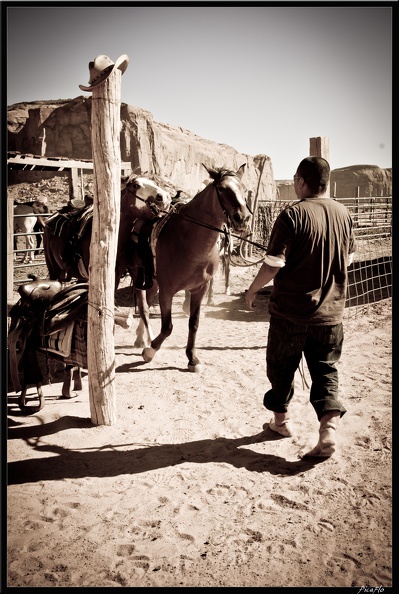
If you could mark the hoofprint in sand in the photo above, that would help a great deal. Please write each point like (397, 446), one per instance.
(190, 487)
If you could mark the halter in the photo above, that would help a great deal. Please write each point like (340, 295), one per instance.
(226, 215)
(151, 205)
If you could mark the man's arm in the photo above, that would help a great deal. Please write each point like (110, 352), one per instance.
(265, 274)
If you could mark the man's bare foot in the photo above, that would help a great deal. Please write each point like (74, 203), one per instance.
(327, 437)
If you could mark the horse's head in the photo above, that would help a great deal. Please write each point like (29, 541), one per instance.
(148, 193)
(40, 206)
(231, 191)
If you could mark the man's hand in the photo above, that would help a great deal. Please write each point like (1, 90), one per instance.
(250, 297)
(265, 274)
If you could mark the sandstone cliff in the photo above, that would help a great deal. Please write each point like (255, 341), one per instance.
(63, 129)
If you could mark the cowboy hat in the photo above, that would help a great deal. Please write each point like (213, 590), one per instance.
(102, 67)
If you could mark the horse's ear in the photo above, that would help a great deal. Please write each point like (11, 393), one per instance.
(240, 171)
(210, 171)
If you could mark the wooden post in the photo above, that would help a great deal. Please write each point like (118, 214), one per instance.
(10, 249)
(356, 215)
(255, 206)
(320, 147)
(73, 179)
(82, 189)
(103, 247)
(250, 203)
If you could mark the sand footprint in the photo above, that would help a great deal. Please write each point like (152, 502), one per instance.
(326, 525)
(227, 492)
(286, 502)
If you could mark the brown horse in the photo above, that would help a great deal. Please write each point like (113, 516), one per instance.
(187, 255)
(225, 248)
(67, 237)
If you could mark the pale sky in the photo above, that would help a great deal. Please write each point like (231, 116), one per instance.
(262, 79)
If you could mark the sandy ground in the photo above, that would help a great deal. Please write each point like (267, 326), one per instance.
(190, 487)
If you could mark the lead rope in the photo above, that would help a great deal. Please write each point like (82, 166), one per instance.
(301, 368)
(192, 220)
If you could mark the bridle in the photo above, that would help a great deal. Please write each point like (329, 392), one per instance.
(151, 205)
(226, 229)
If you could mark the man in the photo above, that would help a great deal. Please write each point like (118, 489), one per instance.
(310, 247)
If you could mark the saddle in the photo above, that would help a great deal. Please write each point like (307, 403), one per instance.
(46, 319)
(70, 222)
(141, 235)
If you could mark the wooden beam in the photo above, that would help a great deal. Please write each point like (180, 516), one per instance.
(57, 163)
(30, 162)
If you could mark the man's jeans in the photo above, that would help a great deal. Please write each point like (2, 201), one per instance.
(321, 346)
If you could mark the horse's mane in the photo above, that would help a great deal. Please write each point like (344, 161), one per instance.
(222, 172)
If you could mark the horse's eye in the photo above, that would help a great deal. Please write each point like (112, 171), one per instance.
(136, 186)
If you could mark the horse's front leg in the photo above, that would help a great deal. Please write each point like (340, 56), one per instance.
(165, 304)
(144, 333)
(30, 245)
(194, 363)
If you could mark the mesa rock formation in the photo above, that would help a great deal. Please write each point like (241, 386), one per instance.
(63, 129)
(349, 182)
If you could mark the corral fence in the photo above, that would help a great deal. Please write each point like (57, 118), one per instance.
(20, 247)
(370, 275)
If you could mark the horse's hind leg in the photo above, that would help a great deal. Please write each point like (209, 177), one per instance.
(22, 400)
(210, 293)
(194, 363)
(77, 379)
(186, 302)
(66, 386)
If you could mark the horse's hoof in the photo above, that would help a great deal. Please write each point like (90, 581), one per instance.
(139, 344)
(195, 368)
(148, 354)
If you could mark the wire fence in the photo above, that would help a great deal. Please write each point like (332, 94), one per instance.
(369, 277)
